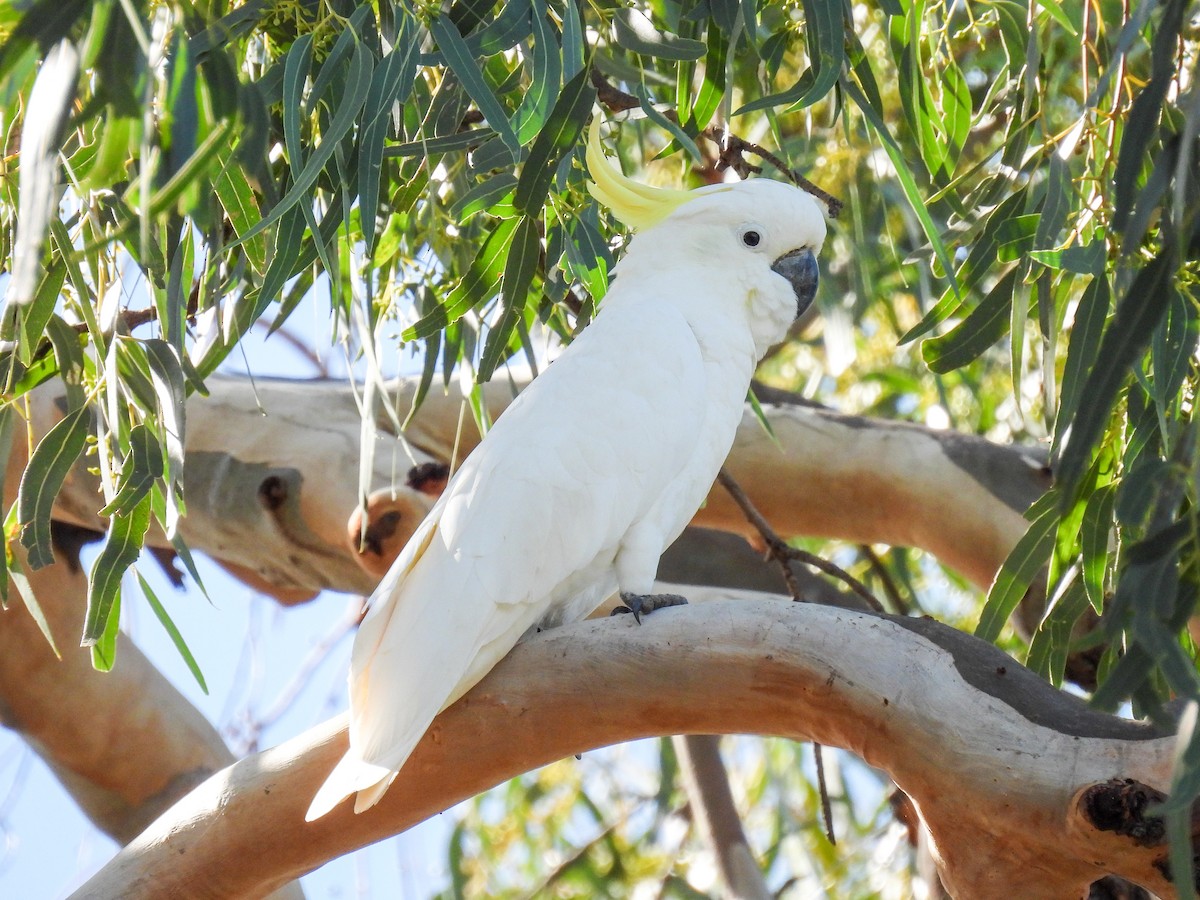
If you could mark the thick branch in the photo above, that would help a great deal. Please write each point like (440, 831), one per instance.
(991, 755)
(272, 481)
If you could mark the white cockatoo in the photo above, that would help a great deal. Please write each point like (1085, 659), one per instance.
(595, 468)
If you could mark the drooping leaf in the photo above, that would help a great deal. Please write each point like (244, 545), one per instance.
(476, 286)
(48, 468)
(637, 34)
(986, 324)
(519, 268)
(557, 138)
(41, 136)
(546, 67)
(390, 85)
(1126, 337)
(1018, 572)
(121, 548)
(164, 618)
(459, 57)
(358, 82)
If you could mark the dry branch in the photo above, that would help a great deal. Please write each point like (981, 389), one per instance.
(992, 756)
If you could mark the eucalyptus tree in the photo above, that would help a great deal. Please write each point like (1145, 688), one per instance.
(1013, 196)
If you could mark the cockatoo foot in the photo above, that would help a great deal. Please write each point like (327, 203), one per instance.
(644, 604)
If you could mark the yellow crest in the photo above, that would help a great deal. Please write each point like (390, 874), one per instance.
(637, 205)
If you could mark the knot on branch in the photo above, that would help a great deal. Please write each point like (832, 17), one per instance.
(378, 531)
(1119, 805)
(428, 478)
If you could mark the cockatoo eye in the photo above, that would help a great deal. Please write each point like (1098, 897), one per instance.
(751, 238)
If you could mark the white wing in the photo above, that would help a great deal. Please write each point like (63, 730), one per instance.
(534, 517)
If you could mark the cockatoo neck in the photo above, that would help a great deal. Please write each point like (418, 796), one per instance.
(735, 311)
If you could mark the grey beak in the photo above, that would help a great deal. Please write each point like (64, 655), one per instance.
(799, 267)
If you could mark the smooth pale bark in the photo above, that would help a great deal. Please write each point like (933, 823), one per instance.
(992, 757)
(273, 483)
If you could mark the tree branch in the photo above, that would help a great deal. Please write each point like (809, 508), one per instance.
(707, 785)
(270, 494)
(997, 796)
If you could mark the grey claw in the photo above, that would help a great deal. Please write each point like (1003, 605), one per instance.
(644, 604)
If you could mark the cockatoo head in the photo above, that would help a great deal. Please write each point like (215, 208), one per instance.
(764, 233)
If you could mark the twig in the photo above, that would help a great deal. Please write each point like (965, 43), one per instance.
(730, 147)
(783, 553)
(823, 789)
(890, 588)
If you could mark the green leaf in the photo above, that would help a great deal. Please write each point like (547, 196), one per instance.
(7, 416)
(173, 633)
(1177, 811)
(141, 468)
(1051, 643)
(519, 268)
(1143, 116)
(1124, 341)
(826, 39)
(44, 23)
(476, 286)
(588, 256)
(482, 196)
(391, 84)
(241, 207)
(904, 174)
(637, 34)
(104, 650)
(350, 39)
(979, 261)
(1056, 205)
(121, 548)
(48, 108)
(986, 324)
(25, 589)
(1024, 563)
(443, 143)
(1086, 259)
(1172, 349)
(682, 138)
(458, 57)
(234, 25)
(1083, 349)
(557, 138)
(712, 88)
(508, 29)
(956, 106)
(288, 237)
(546, 67)
(1094, 534)
(358, 82)
(574, 46)
(48, 468)
(33, 317)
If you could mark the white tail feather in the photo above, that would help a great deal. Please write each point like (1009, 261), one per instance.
(351, 775)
